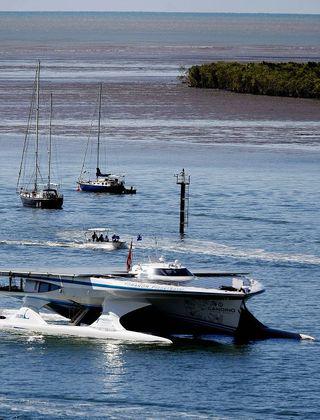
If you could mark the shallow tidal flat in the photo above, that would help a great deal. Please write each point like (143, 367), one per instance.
(165, 111)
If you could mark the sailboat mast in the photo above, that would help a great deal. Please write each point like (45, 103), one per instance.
(25, 143)
(49, 148)
(37, 128)
(99, 127)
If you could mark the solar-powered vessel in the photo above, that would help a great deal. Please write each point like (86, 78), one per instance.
(152, 302)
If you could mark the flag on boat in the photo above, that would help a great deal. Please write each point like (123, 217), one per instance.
(129, 257)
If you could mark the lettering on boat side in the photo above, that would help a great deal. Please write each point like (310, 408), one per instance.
(210, 310)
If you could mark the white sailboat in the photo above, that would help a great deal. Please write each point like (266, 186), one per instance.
(34, 194)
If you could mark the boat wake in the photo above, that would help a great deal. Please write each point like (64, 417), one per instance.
(53, 244)
(194, 246)
(220, 250)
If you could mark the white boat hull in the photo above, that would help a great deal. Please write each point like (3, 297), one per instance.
(28, 320)
(196, 308)
(107, 246)
(126, 309)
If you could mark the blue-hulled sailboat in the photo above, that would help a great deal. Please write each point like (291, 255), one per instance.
(102, 182)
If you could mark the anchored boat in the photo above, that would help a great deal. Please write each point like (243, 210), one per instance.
(151, 303)
(33, 193)
(102, 182)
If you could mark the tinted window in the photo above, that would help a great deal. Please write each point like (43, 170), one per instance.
(47, 287)
(172, 272)
(44, 287)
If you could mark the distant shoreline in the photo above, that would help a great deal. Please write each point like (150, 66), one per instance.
(289, 79)
(282, 14)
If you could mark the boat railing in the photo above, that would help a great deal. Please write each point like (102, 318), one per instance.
(52, 185)
(12, 284)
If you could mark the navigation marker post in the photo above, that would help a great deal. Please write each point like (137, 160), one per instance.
(183, 179)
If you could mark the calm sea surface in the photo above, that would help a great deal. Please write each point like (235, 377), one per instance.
(255, 205)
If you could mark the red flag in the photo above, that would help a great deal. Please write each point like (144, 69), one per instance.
(129, 257)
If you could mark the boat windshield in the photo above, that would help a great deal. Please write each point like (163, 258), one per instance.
(172, 272)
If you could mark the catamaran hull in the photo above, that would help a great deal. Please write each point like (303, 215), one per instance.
(42, 203)
(127, 310)
(113, 189)
(166, 316)
(27, 320)
(189, 316)
(163, 313)
(191, 308)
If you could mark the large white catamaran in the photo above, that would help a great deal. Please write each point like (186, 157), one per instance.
(153, 302)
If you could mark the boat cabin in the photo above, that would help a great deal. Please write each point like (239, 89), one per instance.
(169, 272)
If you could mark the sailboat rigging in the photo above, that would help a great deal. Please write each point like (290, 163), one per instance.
(45, 196)
(103, 182)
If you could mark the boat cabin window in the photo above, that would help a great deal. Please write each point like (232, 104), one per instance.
(47, 287)
(172, 272)
(31, 286)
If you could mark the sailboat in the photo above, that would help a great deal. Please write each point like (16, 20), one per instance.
(34, 194)
(103, 182)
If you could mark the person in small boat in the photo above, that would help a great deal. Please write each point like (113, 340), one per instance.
(101, 238)
(139, 237)
(94, 237)
(106, 238)
(115, 238)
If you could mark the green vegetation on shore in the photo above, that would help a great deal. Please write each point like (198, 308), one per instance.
(301, 80)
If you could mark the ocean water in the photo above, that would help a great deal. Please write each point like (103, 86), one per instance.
(254, 206)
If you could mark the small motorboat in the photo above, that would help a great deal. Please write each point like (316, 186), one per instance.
(102, 238)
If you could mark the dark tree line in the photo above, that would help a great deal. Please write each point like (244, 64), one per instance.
(301, 80)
